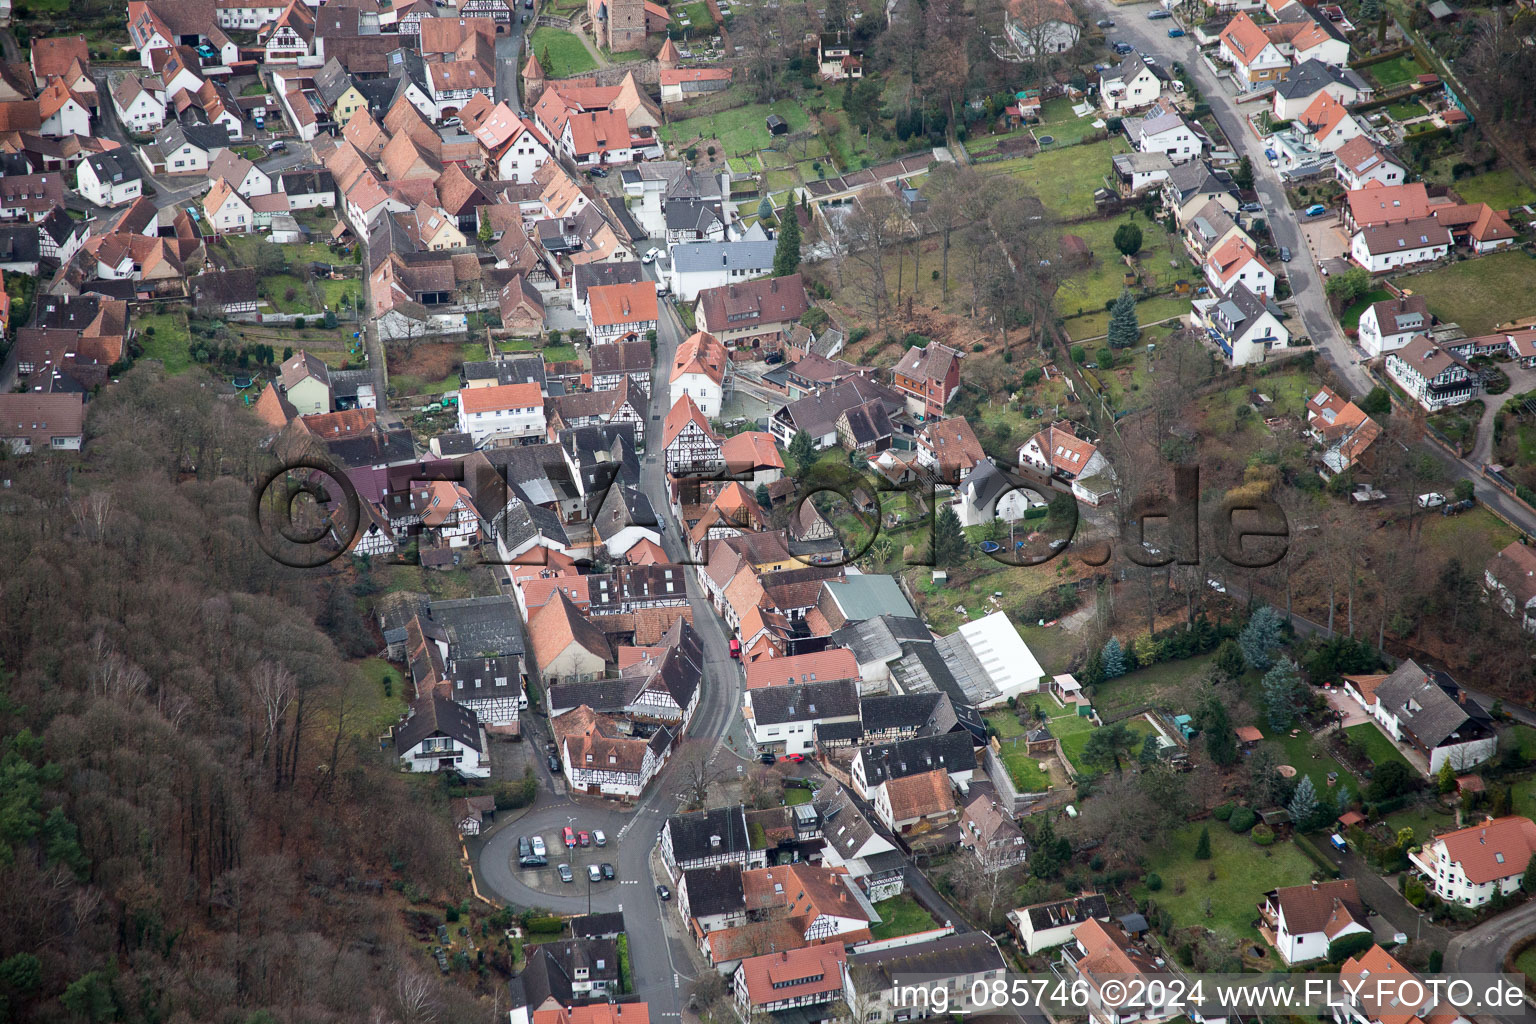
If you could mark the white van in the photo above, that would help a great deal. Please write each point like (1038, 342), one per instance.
(1433, 499)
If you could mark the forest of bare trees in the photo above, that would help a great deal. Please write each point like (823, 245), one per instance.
(193, 826)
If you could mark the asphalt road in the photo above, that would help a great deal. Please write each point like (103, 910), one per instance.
(1481, 951)
(508, 69)
(1151, 37)
(662, 969)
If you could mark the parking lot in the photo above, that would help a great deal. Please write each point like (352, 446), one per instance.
(1324, 238)
(579, 858)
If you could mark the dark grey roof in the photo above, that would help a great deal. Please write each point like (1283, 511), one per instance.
(331, 81)
(598, 926)
(207, 137)
(1134, 924)
(691, 833)
(19, 244)
(948, 956)
(684, 214)
(950, 751)
(508, 370)
(844, 824)
(1196, 177)
(701, 256)
(1307, 79)
(438, 716)
(552, 966)
(379, 92)
(899, 711)
(307, 182)
(455, 443)
(479, 626)
(1074, 910)
(817, 414)
(838, 731)
(868, 423)
(485, 678)
(521, 521)
(1438, 717)
(380, 447)
(881, 638)
(225, 287)
(714, 890)
(805, 702)
(986, 483)
(115, 165)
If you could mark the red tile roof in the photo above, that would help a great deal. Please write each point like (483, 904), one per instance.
(794, 973)
(1497, 848)
(817, 667)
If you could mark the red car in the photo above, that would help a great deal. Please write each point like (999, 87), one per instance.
(585, 838)
(793, 758)
(569, 836)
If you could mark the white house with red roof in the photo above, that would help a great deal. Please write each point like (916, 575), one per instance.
(1362, 160)
(513, 145)
(621, 312)
(698, 372)
(1235, 260)
(504, 414)
(1330, 123)
(1470, 865)
(1058, 450)
(1256, 61)
(1375, 989)
(808, 979)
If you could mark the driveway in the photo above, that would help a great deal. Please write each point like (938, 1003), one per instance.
(1324, 239)
(1382, 896)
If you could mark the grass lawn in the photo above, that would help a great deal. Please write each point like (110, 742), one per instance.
(1351, 317)
(1502, 190)
(1244, 872)
(1024, 769)
(1159, 264)
(276, 288)
(1424, 819)
(1478, 294)
(332, 292)
(372, 713)
(1289, 390)
(795, 795)
(1406, 110)
(1475, 536)
(901, 915)
(1402, 68)
(1148, 685)
(1096, 324)
(1525, 737)
(561, 52)
(1064, 178)
(1524, 802)
(741, 130)
(1378, 748)
(169, 343)
(1525, 963)
(1309, 757)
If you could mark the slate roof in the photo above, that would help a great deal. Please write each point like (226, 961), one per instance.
(805, 702)
(690, 833)
(1439, 715)
(433, 715)
(950, 751)
(714, 890)
(1071, 911)
(948, 956)
(755, 257)
(881, 638)
(899, 711)
(598, 926)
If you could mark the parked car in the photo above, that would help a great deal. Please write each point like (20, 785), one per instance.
(1431, 500)
(452, 122)
(1121, 47)
(1315, 210)
(599, 838)
(1158, 15)
(607, 872)
(277, 147)
(568, 835)
(566, 875)
(584, 838)
(1105, 23)
(554, 765)
(1216, 585)
(767, 757)
(539, 849)
(651, 256)
(524, 849)
(594, 873)
(793, 758)
(1285, 254)
(1252, 207)
(1175, 33)
(598, 172)
(663, 893)
(1456, 508)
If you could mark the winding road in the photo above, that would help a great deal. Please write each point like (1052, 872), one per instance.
(658, 949)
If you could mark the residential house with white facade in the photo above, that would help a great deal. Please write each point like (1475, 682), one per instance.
(1047, 925)
(1471, 865)
(441, 735)
(1428, 713)
(1301, 921)
(1391, 324)
(1433, 376)
(111, 178)
(621, 312)
(504, 414)
(699, 369)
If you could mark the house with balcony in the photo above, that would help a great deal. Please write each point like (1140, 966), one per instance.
(1102, 953)
(441, 735)
(1256, 61)
(1391, 324)
(1374, 988)
(927, 377)
(859, 845)
(1429, 714)
(1245, 327)
(1433, 376)
(1471, 865)
(502, 415)
(1133, 85)
(1302, 921)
